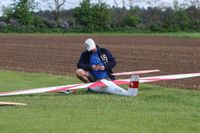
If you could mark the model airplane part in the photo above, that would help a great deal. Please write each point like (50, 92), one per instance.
(159, 78)
(102, 84)
(38, 90)
(133, 86)
(12, 104)
(135, 72)
(63, 88)
(112, 88)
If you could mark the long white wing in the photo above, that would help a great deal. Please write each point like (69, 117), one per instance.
(135, 72)
(159, 78)
(98, 84)
(69, 87)
(35, 90)
(52, 89)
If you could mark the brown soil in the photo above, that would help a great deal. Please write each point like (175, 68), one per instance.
(59, 54)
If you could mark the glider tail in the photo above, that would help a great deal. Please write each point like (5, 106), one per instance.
(133, 86)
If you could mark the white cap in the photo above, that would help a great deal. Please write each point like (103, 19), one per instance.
(90, 44)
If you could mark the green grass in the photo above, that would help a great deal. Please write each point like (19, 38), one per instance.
(180, 34)
(171, 34)
(155, 110)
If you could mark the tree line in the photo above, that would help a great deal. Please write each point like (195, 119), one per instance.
(101, 17)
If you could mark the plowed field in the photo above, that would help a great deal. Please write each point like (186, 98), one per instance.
(58, 54)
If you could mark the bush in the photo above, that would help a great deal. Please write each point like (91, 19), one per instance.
(156, 27)
(194, 25)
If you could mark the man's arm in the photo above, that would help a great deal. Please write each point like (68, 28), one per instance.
(81, 63)
(111, 60)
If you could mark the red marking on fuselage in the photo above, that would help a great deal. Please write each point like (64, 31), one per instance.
(134, 84)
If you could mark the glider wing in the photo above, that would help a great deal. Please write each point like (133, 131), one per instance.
(136, 72)
(98, 84)
(159, 78)
(53, 89)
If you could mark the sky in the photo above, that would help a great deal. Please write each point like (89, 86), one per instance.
(73, 3)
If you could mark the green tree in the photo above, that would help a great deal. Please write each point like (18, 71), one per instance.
(170, 21)
(132, 19)
(93, 16)
(101, 16)
(7, 11)
(21, 10)
(83, 15)
(194, 18)
(182, 19)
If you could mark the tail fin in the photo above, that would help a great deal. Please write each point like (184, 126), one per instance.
(133, 86)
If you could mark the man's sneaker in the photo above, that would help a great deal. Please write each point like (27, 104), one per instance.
(73, 91)
(89, 90)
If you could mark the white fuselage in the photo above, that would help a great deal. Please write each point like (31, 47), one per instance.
(112, 88)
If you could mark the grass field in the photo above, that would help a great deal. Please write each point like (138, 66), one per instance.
(171, 34)
(155, 110)
(180, 34)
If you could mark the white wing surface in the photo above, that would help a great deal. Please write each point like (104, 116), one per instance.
(98, 84)
(135, 72)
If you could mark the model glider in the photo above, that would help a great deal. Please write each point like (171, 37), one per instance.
(106, 85)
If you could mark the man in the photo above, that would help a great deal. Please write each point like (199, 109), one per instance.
(95, 63)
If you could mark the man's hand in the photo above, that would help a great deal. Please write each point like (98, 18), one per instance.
(94, 67)
(98, 67)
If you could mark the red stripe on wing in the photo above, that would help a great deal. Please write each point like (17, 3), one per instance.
(65, 88)
(121, 82)
(97, 84)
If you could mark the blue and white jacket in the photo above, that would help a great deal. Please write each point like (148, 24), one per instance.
(106, 57)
